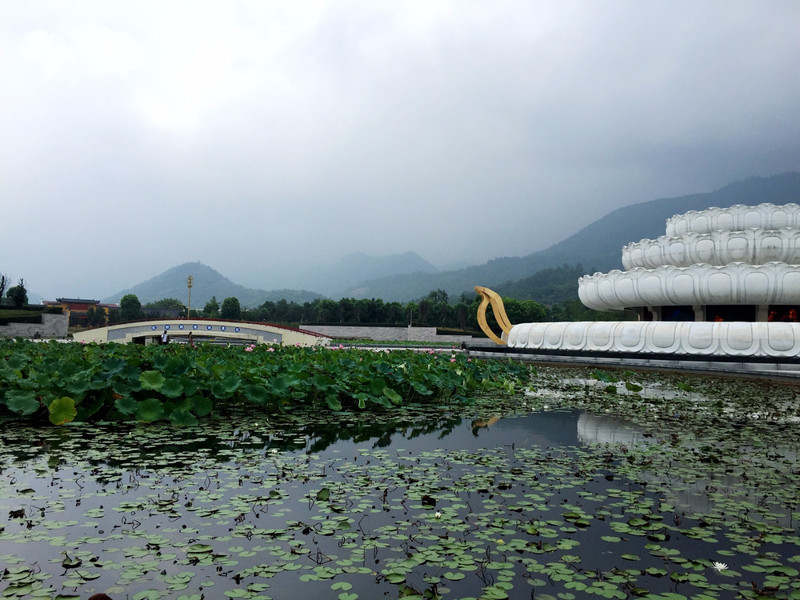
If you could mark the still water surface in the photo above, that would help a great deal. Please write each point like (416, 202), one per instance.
(561, 503)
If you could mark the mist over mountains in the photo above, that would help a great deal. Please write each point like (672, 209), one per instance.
(408, 276)
(597, 247)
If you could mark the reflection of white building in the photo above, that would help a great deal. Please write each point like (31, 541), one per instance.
(721, 282)
(605, 429)
(693, 495)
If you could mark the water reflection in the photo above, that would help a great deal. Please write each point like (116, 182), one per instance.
(346, 493)
(605, 429)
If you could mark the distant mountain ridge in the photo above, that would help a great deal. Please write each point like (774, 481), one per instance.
(598, 246)
(206, 283)
(407, 276)
(348, 272)
(329, 280)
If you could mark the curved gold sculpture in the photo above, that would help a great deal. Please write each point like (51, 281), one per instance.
(491, 297)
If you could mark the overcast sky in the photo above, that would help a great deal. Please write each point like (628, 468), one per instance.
(261, 137)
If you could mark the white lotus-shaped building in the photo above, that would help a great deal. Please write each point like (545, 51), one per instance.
(722, 281)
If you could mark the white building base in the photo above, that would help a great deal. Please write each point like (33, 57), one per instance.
(713, 339)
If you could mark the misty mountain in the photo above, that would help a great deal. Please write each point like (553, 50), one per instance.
(335, 279)
(206, 283)
(598, 246)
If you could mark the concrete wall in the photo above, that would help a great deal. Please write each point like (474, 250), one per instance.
(52, 326)
(385, 334)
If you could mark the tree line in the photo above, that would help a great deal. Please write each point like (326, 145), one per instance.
(434, 310)
(16, 296)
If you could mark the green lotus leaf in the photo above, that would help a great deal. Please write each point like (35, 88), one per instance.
(71, 563)
(225, 387)
(333, 403)
(62, 410)
(183, 403)
(342, 585)
(176, 366)
(201, 406)
(172, 388)
(113, 365)
(257, 394)
(78, 384)
(151, 380)
(88, 575)
(149, 410)
(393, 396)
(126, 405)
(22, 402)
(190, 386)
(182, 418)
(395, 577)
(123, 387)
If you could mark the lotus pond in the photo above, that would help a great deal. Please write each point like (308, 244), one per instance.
(554, 483)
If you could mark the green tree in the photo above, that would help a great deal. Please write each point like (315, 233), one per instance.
(130, 308)
(328, 311)
(231, 309)
(424, 311)
(95, 316)
(411, 312)
(346, 310)
(18, 294)
(437, 296)
(461, 313)
(266, 312)
(211, 309)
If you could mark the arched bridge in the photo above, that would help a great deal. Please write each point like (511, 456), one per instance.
(201, 330)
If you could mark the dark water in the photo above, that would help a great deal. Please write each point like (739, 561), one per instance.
(442, 505)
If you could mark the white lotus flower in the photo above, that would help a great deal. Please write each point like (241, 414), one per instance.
(438, 515)
(719, 566)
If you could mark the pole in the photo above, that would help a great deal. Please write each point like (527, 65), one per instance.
(189, 282)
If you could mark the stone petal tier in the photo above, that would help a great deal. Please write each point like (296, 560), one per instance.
(753, 246)
(779, 340)
(700, 284)
(735, 218)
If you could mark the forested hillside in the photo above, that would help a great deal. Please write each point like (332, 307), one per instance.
(597, 246)
(207, 283)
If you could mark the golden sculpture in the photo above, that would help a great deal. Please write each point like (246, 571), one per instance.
(491, 297)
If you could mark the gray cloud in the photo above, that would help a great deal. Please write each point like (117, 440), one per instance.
(264, 137)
